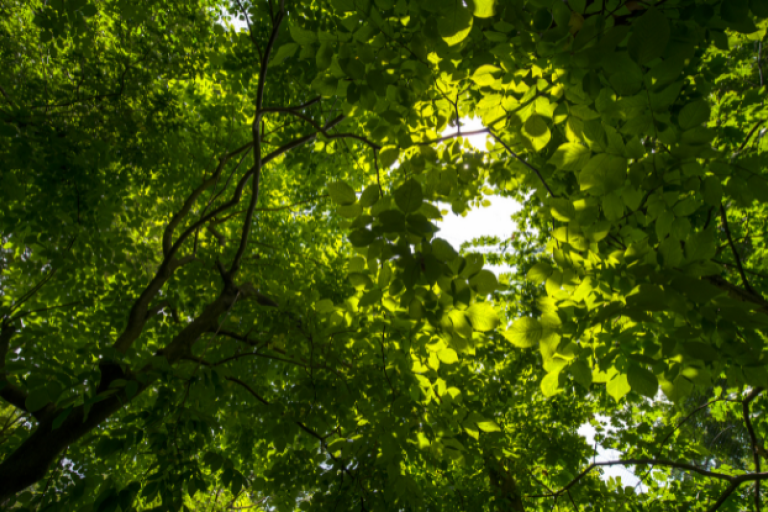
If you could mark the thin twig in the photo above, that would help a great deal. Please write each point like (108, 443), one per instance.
(753, 440)
(748, 271)
(250, 30)
(509, 150)
(453, 136)
(378, 175)
(38, 310)
(7, 98)
(724, 220)
(749, 136)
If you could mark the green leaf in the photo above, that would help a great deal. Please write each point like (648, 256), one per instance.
(678, 389)
(213, 460)
(483, 316)
(369, 298)
(483, 8)
(613, 206)
(759, 8)
(604, 173)
(392, 221)
(341, 193)
(325, 85)
(370, 196)
(361, 237)
(686, 207)
(484, 282)
(324, 306)
(582, 373)
(736, 13)
(650, 35)
(89, 10)
(525, 332)
(664, 224)
(642, 381)
(672, 252)
(343, 5)
(756, 375)
(324, 56)
(416, 309)
(618, 387)
(488, 426)
(570, 156)
(648, 297)
(539, 272)
(455, 23)
(301, 36)
(537, 132)
(350, 211)
(460, 323)
(448, 356)
(701, 246)
(59, 420)
(693, 114)
(409, 196)
(484, 75)
(562, 209)
(36, 400)
(284, 52)
(388, 156)
(758, 186)
(443, 250)
(550, 384)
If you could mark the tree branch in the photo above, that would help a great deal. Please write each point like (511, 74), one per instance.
(739, 293)
(724, 220)
(753, 440)
(7, 98)
(179, 216)
(509, 150)
(256, 130)
(8, 391)
(319, 128)
(250, 30)
(453, 136)
(296, 107)
(630, 462)
(746, 270)
(137, 316)
(749, 136)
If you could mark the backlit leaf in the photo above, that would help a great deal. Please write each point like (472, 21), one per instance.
(525, 332)
(455, 23)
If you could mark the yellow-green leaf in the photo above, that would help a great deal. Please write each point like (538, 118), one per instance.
(525, 332)
(483, 316)
(571, 156)
(448, 356)
(537, 132)
(455, 23)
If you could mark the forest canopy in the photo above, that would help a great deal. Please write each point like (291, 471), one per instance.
(223, 283)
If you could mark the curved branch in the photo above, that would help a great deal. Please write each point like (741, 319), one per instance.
(291, 109)
(509, 150)
(179, 216)
(8, 391)
(250, 29)
(631, 462)
(753, 440)
(137, 316)
(453, 136)
(235, 266)
(316, 126)
(724, 220)
(749, 136)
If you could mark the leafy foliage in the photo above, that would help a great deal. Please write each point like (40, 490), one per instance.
(224, 285)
